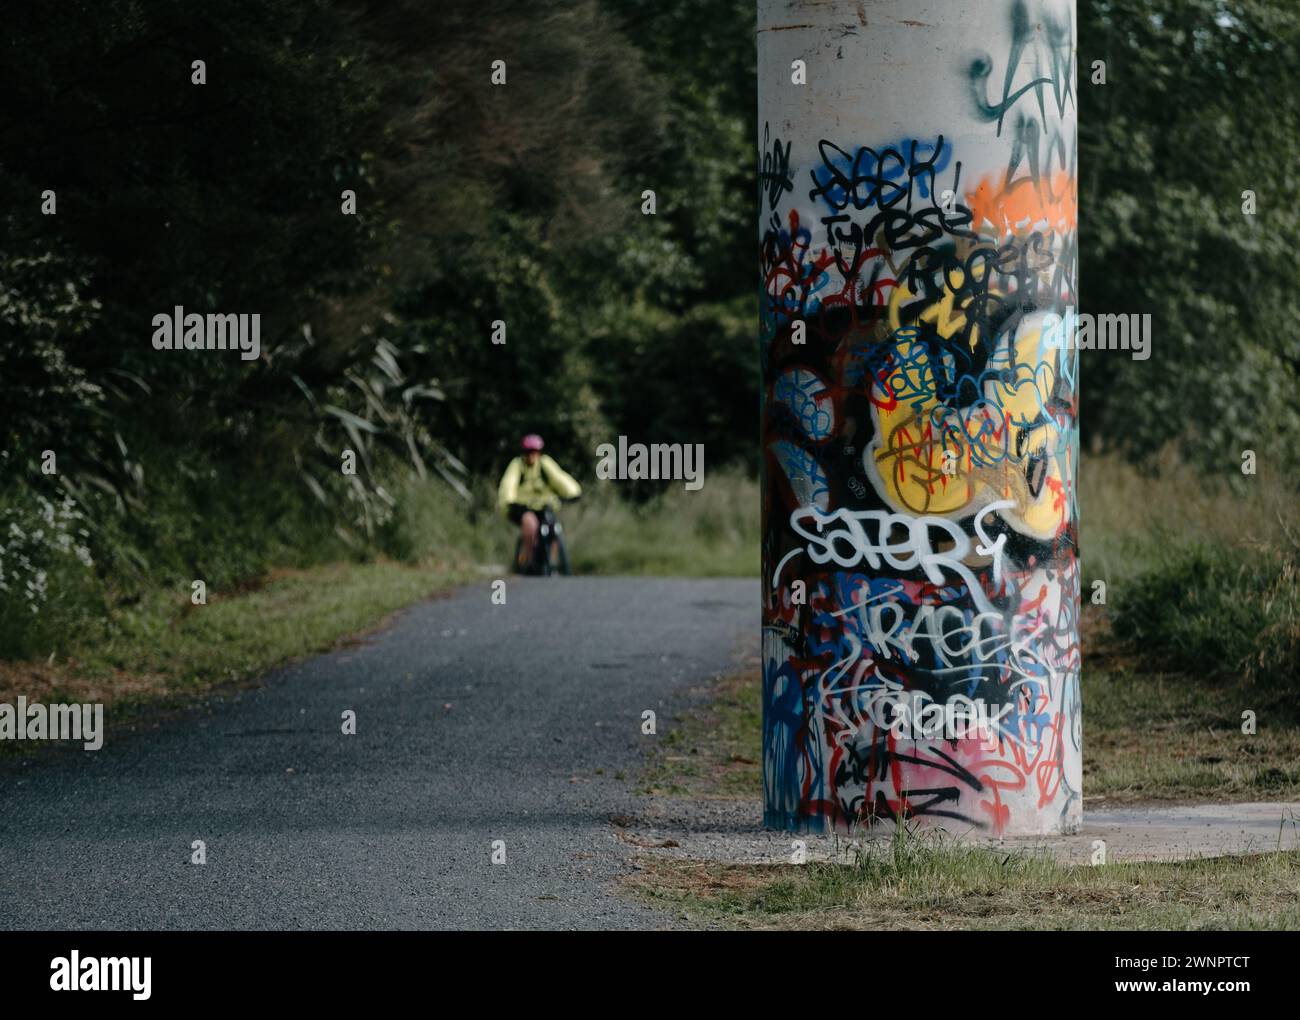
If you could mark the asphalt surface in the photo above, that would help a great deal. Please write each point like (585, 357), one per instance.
(475, 723)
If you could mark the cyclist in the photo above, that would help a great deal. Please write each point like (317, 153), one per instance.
(532, 483)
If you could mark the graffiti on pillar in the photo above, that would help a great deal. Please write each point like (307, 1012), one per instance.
(920, 459)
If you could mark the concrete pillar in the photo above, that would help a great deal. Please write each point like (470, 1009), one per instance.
(917, 224)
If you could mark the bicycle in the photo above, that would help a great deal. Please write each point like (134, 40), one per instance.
(550, 554)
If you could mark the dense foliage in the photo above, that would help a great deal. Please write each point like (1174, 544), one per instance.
(477, 203)
(1202, 103)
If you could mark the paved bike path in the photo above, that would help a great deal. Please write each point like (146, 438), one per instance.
(475, 723)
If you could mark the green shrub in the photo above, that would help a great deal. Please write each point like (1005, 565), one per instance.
(1216, 612)
(47, 582)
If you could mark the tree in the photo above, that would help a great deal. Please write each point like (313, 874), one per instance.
(1201, 104)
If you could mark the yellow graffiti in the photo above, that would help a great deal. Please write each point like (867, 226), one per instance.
(929, 457)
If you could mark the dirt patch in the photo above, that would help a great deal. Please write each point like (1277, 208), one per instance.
(46, 682)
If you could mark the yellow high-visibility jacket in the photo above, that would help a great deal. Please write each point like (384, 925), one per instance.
(537, 487)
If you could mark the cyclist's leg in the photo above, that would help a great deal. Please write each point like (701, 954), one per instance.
(515, 515)
(528, 530)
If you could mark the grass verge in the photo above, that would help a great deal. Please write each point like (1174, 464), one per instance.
(162, 649)
(929, 885)
(709, 533)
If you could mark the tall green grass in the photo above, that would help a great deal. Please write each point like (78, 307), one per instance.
(1202, 571)
(1214, 612)
(230, 532)
(196, 522)
(710, 532)
(1136, 519)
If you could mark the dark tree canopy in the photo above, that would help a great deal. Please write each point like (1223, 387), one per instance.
(476, 203)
